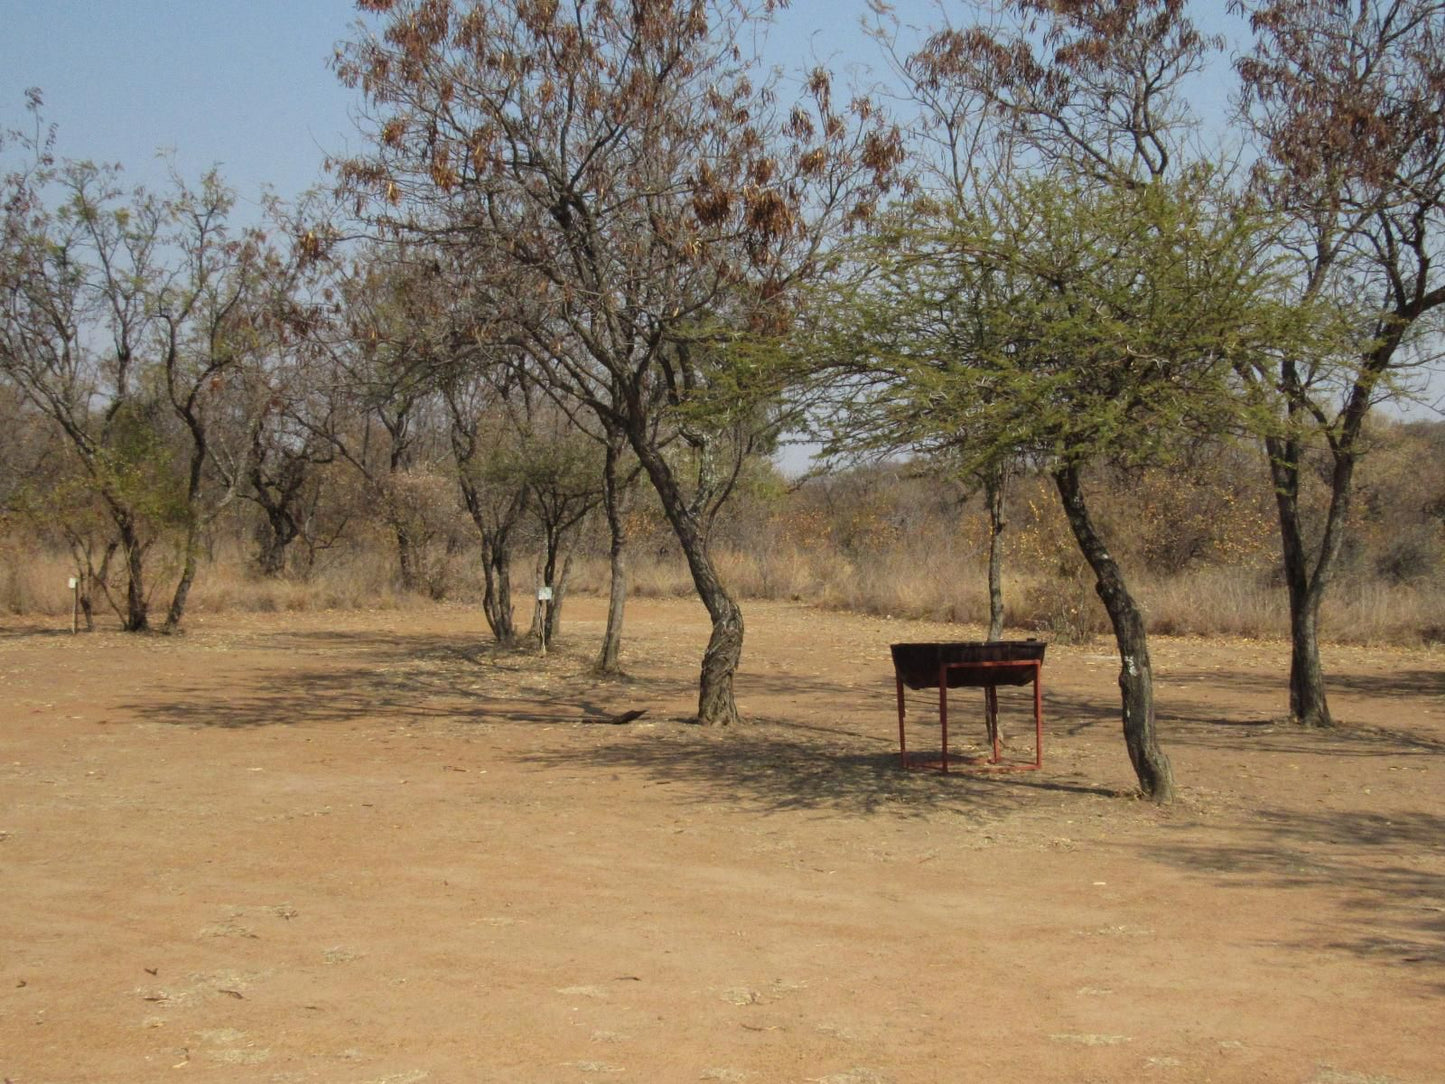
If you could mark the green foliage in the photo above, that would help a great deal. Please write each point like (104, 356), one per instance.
(1063, 321)
(137, 465)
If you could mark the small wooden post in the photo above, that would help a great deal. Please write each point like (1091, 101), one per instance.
(74, 605)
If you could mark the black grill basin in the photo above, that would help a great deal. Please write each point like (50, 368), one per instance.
(917, 664)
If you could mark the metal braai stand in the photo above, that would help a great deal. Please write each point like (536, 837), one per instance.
(986, 666)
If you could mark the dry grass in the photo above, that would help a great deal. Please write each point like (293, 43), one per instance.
(33, 581)
(906, 582)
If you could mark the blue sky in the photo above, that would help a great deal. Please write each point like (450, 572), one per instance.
(241, 85)
(245, 84)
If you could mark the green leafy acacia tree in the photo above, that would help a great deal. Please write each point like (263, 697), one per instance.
(1070, 324)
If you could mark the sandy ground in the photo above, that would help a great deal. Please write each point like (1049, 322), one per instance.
(364, 847)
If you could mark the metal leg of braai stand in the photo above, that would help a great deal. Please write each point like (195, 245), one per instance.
(902, 743)
(943, 717)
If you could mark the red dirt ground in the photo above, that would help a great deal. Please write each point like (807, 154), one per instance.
(364, 847)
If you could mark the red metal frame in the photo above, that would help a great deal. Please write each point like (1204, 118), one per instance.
(990, 707)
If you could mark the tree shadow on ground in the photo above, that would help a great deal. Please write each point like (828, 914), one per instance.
(347, 675)
(1391, 906)
(375, 676)
(44, 632)
(1407, 682)
(776, 766)
(1412, 682)
(1192, 724)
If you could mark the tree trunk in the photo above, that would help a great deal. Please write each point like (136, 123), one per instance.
(89, 577)
(137, 608)
(549, 576)
(188, 577)
(1136, 679)
(553, 622)
(406, 557)
(271, 557)
(277, 532)
(715, 703)
(609, 658)
(497, 593)
(1308, 704)
(993, 494)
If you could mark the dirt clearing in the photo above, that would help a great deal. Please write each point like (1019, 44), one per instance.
(363, 847)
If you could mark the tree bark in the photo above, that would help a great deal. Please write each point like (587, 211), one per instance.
(555, 571)
(1136, 679)
(553, 622)
(497, 593)
(716, 705)
(1307, 576)
(188, 577)
(277, 531)
(271, 543)
(609, 659)
(993, 488)
(1308, 704)
(137, 608)
(405, 556)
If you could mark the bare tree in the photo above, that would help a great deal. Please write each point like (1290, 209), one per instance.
(379, 406)
(209, 320)
(488, 407)
(643, 194)
(566, 477)
(1347, 101)
(124, 315)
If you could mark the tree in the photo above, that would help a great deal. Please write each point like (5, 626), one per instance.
(1094, 83)
(644, 199)
(284, 408)
(209, 320)
(1046, 333)
(488, 409)
(1347, 102)
(381, 341)
(124, 315)
(282, 472)
(1069, 324)
(566, 478)
(42, 486)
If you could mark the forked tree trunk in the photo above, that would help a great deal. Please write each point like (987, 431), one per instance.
(89, 577)
(277, 532)
(553, 622)
(609, 659)
(715, 703)
(1136, 678)
(1308, 575)
(496, 557)
(556, 570)
(497, 593)
(137, 608)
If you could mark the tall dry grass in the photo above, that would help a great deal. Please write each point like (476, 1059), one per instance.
(1208, 601)
(923, 578)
